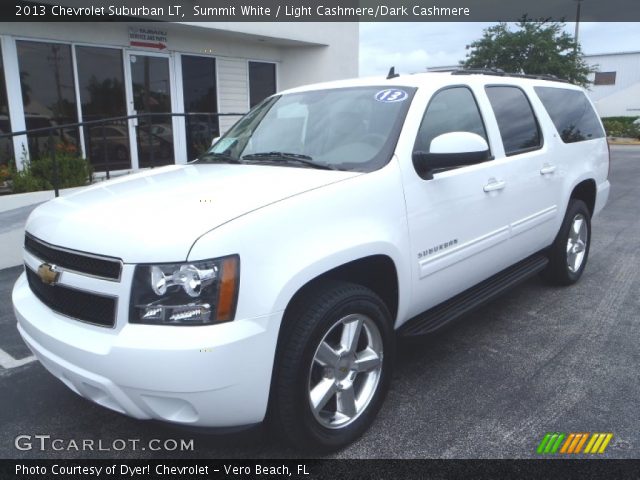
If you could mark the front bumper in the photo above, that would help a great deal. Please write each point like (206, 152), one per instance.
(209, 376)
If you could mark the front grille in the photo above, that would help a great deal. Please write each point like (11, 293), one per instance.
(105, 267)
(85, 306)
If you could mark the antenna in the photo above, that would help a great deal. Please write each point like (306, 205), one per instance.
(392, 73)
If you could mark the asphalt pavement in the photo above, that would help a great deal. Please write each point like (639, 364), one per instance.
(539, 359)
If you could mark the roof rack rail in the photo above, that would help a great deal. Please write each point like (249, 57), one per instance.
(480, 71)
(501, 73)
(440, 70)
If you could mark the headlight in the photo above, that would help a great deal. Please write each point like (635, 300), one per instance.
(190, 293)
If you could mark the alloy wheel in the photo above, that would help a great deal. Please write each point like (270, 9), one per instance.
(345, 371)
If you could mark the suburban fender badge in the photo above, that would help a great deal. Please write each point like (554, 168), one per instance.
(48, 274)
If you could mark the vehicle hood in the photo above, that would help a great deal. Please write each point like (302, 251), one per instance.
(157, 215)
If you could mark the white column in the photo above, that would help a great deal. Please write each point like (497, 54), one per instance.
(177, 104)
(14, 99)
(76, 84)
(131, 124)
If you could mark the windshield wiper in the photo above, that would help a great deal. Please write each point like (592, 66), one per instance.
(218, 157)
(288, 157)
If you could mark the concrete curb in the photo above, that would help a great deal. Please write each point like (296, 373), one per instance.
(11, 244)
(623, 141)
(18, 200)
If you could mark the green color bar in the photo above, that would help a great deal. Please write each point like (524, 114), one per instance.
(543, 443)
(550, 443)
(558, 442)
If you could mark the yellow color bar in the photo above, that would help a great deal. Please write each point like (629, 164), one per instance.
(596, 445)
(596, 441)
(594, 437)
(605, 442)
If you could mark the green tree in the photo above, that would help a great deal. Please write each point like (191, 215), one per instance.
(533, 47)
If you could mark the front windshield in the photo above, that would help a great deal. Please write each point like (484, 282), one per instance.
(341, 129)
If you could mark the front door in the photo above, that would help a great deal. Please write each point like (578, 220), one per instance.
(459, 219)
(150, 97)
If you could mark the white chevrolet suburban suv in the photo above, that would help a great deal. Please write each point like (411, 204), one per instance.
(270, 278)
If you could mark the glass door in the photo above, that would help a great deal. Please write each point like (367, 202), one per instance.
(199, 94)
(102, 95)
(150, 80)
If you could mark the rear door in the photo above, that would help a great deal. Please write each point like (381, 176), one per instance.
(580, 148)
(534, 191)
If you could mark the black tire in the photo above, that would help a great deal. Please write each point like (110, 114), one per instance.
(308, 322)
(559, 272)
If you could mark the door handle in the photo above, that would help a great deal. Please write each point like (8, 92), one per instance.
(494, 185)
(547, 169)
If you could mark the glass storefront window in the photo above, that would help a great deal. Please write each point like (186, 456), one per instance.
(102, 95)
(48, 93)
(199, 87)
(262, 81)
(50, 99)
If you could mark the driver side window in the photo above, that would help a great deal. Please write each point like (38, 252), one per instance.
(450, 110)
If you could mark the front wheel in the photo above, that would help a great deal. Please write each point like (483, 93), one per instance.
(333, 367)
(570, 250)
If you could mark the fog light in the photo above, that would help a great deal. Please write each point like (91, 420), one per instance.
(152, 313)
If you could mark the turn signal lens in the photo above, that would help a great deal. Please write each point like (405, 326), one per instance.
(228, 296)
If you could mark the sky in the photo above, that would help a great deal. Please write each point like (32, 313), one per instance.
(411, 47)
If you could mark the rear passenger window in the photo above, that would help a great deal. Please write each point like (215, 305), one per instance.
(517, 123)
(450, 110)
(571, 113)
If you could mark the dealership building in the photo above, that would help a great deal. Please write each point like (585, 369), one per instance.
(54, 74)
(615, 88)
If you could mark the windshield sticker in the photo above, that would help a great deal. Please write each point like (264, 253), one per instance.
(391, 95)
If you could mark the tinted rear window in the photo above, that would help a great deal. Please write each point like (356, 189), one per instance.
(571, 113)
(516, 121)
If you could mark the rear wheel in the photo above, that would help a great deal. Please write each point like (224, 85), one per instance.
(333, 368)
(569, 253)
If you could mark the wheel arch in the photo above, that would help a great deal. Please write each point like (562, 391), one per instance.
(377, 272)
(586, 191)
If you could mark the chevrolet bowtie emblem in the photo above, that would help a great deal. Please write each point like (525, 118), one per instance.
(48, 274)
